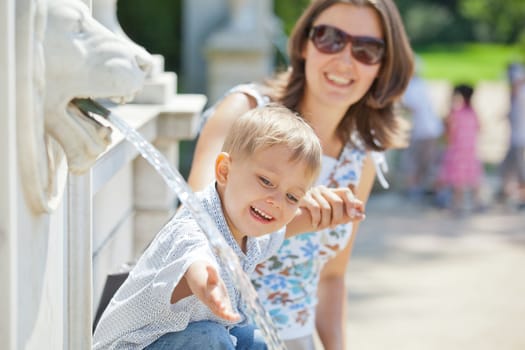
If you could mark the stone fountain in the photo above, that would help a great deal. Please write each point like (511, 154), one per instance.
(71, 199)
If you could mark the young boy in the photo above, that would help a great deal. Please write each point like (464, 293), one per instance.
(179, 294)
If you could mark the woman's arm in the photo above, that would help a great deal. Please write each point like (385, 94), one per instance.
(331, 308)
(324, 207)
(212, 137)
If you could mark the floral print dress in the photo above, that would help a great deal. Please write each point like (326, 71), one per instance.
(287, 282)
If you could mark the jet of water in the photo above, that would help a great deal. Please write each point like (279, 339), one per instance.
(176, 182)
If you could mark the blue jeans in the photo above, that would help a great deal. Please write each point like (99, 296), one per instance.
(207, 335)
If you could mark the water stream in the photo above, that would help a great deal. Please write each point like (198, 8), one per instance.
(254, 309)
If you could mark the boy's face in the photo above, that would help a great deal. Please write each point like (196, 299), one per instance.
(261, 193)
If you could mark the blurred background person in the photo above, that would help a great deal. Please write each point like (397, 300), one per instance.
(419, 159)
(513, 165)
(461, 169)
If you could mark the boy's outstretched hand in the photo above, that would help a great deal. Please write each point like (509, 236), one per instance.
(206, 284)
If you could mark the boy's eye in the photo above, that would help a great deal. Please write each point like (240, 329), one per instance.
(292, 198)
(265, 181)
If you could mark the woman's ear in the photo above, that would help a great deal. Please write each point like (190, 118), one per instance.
(222, 167)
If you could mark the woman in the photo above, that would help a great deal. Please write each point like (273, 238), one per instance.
(350, 61)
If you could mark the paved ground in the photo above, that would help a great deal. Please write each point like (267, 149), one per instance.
(422, 279)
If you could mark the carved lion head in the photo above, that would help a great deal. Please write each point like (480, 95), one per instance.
(71, 55)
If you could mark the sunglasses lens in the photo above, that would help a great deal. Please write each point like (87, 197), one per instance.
(330, 40)
(367, 50)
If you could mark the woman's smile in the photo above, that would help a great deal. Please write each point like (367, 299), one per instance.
(338, 79)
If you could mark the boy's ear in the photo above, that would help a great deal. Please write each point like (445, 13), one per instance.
(222, 167)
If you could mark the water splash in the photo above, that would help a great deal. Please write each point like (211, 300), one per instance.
(176, 182)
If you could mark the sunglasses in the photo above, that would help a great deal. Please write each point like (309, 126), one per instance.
(330, 40)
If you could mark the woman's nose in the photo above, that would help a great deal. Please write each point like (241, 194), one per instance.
(346, 55)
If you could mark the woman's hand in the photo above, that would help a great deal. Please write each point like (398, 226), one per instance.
(324, 207)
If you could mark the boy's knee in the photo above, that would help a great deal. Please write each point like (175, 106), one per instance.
(203, 335)
(210, 335)
(249, 338)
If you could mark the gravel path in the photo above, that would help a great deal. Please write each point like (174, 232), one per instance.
(420, 278)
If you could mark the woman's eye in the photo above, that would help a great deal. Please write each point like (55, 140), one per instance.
(292, 198)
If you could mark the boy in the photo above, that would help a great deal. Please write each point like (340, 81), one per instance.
(179, 292)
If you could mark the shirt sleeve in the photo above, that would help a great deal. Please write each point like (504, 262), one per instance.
(188, 245)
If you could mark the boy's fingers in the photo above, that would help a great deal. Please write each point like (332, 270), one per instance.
(223, 311)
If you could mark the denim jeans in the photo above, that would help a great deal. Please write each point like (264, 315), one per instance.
(207, 335)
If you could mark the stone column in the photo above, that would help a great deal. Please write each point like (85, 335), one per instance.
(241, 51)
(8, 198)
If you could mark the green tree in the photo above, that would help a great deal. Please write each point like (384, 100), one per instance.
(289, 11)
(500, 21)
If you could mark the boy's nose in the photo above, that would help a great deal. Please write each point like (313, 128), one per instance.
(273, 201)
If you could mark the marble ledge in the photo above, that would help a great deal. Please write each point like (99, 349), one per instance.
(178, 119)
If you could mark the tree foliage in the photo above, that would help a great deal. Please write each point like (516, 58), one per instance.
(157, 24)
(501, 21)
(438, 21)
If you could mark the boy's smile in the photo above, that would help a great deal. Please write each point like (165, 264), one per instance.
(259, 214)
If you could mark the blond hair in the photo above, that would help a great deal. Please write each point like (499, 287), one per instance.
(274, 125)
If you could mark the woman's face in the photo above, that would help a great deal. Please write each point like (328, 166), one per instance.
(338, 79)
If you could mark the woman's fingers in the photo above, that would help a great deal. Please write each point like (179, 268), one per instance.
(326, 205)
(329, 207)
(354, 208)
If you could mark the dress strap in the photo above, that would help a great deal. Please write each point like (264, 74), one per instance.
(251, 90)
(381, 167)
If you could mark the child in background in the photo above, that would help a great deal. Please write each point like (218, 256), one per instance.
(461, 169)
(179, 295)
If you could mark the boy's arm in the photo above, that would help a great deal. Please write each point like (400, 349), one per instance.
(181, 291)
(203, 280)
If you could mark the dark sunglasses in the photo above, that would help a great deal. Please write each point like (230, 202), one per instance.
(330, 40)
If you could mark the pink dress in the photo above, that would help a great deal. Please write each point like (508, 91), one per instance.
(460, 166)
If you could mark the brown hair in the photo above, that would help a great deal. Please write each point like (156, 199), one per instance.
(273, 125)
(373, 115)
